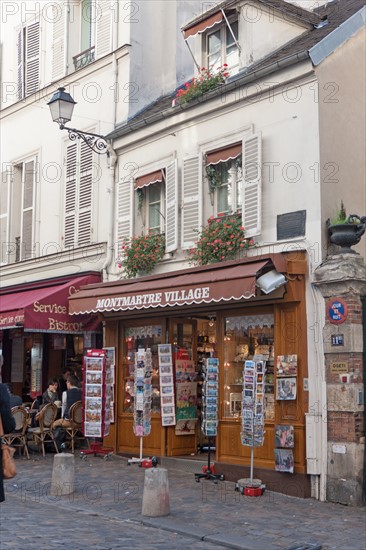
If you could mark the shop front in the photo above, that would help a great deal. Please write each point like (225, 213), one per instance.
(38, 337)
(216, 311)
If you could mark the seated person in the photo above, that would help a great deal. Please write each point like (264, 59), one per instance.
(73, 394)
(15, 400)
(50, 395)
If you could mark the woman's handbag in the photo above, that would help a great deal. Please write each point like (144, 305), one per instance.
(7, 453)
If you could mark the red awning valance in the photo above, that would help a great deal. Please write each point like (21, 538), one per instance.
(224, 154)
(203, 25)
(46, 309)
(214, 284)
(149, 179)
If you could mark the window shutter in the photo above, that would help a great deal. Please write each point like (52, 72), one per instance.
(103, 28)
(70, 198)
(32, 59)
(171, 214)
(125, 209)
(85, 195)
(58, 44)
(252, 185)
(4, 215)
(192, 200)
(20, 61)
(27, 214)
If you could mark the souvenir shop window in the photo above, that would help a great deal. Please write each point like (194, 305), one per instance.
(247, 337)
(148, 336)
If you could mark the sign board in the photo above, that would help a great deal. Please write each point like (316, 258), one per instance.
(337, 340)
(338, 368)
(337, 311)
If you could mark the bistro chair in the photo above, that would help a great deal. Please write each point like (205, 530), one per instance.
(74, 432)
(18, 438)
(43, 432)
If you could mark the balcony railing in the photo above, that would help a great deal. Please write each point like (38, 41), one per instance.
(84, 58)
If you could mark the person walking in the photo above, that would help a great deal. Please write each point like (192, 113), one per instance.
(8, 423)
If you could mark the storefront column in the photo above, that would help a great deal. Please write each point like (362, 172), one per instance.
(341, 280)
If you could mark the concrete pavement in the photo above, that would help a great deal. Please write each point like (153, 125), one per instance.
(105, 512)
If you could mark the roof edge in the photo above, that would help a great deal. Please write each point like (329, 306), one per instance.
(339, 36)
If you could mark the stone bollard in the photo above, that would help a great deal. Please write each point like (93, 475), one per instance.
(63, 474)
(155, 500)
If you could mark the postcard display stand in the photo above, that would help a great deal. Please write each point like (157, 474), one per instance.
(210, 399)
(142, 404)
(97, 400)
(252, 426)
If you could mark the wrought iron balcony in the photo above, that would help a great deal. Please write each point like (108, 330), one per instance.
(84, 58)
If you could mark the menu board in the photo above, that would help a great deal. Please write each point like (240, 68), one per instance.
(167, 405)
(210, 396)
(252, 425)
(142, 384)
(96, 394)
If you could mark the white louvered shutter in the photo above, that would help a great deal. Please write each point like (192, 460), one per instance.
(58, 40)
(4, 215)
(171, 214)
(32, 59)
(70, 195)
(29, 173)
(125, 210)
(20, 65)
(252, 185)
(191, 200)
(84, 229)
(103, 37)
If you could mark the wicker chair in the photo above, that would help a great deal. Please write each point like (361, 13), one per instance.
(74, 432)
(44, 432)
(18, 438)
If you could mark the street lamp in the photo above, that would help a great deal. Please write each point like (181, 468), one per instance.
(61, 107)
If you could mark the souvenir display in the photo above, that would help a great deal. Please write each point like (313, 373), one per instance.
(284, 436)
(210, 396)
(111, 364)
(286, 365)
(252, 425)
(167, 407)
(285, 389)
(142, 388)
(96, 393)
(284, 460)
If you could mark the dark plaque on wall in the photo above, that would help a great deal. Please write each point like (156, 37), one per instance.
(291, 224)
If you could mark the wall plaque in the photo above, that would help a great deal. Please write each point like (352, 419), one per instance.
(338, 367)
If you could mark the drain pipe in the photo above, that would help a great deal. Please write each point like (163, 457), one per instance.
(112, 163)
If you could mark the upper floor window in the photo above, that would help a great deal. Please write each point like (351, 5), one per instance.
(28, 52)
(224, 174)
(17, 213)
(150, 191)
(222, 47)
(78, 195)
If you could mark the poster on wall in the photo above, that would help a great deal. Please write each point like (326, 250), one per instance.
(286, 389)
(284, 460)
(284, 436)
(286, 365)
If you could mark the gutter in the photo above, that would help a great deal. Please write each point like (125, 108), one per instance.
(233, 84)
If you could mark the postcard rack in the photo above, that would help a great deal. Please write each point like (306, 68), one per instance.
(142, 403)
(210, 397)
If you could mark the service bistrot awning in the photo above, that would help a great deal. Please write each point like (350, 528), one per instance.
(46, 309)
(214, 284)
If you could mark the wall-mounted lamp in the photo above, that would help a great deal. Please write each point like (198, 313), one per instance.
(62, 106)
(270, 281)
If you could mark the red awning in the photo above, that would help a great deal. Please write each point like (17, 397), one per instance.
(214, 284)
(149, 179)
(46, 309)
(224, 154)
(203, 25)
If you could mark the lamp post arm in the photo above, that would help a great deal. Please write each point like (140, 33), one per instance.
(95, 142)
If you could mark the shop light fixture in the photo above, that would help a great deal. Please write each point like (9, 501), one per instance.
(271, 281)
(61, 107)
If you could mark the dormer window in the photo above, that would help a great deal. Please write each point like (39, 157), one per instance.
(222, 47)
(219, 30)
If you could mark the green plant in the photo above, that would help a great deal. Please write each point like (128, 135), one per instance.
(206, 80)
(340, 217)
(140, 199)
(141, 254)
(218, 174)
(221, 239)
